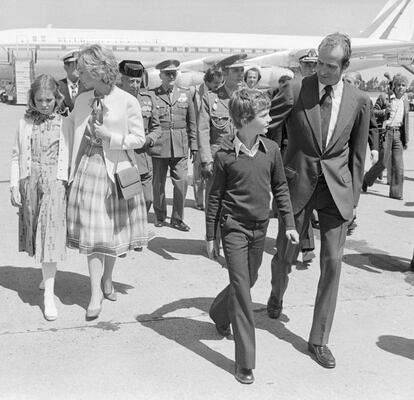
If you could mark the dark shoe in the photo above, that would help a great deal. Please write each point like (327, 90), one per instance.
(307, 256)
(223, 330)
(158, 223)
(138, 249)
(200, 207)
(274, 307)
(364, 187)
(180, 225)
(323, 355)
(244, 375)
(111, 295)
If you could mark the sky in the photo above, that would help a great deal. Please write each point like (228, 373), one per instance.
(301, 17)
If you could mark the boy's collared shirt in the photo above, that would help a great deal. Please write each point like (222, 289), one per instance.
(239, 146)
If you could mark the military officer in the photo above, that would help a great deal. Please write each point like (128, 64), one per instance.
(214, 119)
(71, 86)
(132, 73)
(178, 135)
(213, 78)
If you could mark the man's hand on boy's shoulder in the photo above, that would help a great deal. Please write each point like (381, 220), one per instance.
(293, 236)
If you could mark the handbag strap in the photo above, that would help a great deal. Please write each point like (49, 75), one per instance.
(126, 151)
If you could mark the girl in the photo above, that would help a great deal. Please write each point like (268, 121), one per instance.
(37, 183)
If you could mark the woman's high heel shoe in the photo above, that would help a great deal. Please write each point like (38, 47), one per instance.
(109, 296)
(93, 313)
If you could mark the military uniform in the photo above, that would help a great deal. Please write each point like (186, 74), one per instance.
(153, 132)
(214, 123)
(178, 136)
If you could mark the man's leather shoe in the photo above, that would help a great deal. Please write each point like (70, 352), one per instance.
(274, 307)
(323, 355)
(244, 375)
(158, 223)
(307, 256)
(364, 187)
(180, 225)
(223, 330)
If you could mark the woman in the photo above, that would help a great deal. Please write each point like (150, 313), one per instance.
(252, 77)
(104, 125)
(37, 183)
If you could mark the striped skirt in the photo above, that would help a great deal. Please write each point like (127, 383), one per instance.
(97, 220)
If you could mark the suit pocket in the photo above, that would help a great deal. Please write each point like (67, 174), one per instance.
(290, 173)
(346, 178)
(225, 222)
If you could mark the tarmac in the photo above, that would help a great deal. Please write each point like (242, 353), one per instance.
(157, 341)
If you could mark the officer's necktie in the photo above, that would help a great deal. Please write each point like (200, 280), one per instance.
(74, 90)
(326, 110)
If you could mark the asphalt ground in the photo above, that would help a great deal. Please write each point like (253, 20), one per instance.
(157, 341)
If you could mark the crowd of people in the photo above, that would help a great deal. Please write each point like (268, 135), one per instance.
(304, 143)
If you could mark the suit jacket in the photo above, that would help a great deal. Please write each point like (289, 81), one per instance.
(122, 117)
(21, 160)
(63, 88)
(380, 111)
(342, 162)
(178, 124)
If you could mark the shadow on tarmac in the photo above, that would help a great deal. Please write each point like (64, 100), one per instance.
(190, 333)
(71, 288)
(402, 214)
(397, 345)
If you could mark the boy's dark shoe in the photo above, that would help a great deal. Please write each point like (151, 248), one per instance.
(244, 375)
(159, 223)
(364, 187)
(323, 355)
(274, 307)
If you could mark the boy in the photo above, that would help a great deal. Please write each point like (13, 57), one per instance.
(239, 201)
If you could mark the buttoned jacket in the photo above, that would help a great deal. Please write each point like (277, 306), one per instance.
(123, 119)
(177, 121)
(21, 160)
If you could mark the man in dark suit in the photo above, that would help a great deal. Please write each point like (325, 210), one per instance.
(324, 165)
(70, 86)
(178, 135)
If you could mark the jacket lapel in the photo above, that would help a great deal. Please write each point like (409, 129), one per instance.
(347, 107)
(309, 95)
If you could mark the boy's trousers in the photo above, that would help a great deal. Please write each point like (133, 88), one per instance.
(243, 245)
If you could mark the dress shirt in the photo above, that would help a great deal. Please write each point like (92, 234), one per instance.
(73, 88)
(239, 146)
(336, 95)
(397, 112)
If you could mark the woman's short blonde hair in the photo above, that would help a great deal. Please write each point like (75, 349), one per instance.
(100, 62)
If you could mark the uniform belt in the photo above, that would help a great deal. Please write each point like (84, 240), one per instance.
(393, 128)
(174, 125)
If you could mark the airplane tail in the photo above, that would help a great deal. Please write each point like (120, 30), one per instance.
(394, 22)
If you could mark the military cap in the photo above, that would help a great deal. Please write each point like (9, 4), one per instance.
(70, 57)
(233, 61)
(307, 55)
(168, 65)
(131, 68)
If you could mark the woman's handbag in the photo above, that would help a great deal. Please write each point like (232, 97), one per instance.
(128, 180)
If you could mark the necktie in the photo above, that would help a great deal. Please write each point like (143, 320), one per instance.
(74, 90)
(326, 110)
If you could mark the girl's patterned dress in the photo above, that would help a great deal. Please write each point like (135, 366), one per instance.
(42, 217)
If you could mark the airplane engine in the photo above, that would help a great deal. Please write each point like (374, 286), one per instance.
(271, 75)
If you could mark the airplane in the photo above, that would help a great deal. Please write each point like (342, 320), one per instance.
(388, 39)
